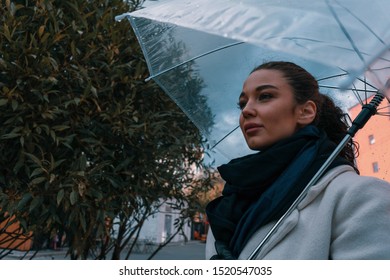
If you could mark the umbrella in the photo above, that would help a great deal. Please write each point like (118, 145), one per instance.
(200, 52)
(211, 46)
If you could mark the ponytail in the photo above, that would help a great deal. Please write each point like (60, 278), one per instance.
(334, 122)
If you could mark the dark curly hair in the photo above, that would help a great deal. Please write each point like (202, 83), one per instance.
(329, 117)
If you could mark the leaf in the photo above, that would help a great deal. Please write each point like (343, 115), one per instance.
(34, 158)
(36, 172)
(3, 102)
(57, 163)
(35, 203)
(124, 164)
(6, 33)
(58, 37)
(115, 183)
(18, 165)
(38, 180)
(73, 197)
(97, 194)
(60, 196)
(25, 199)
(60, 127)
(41, 30)
(45, 128)
(10, 135)
(83, 162)
(53, 135)
(23, 223)
(83, 222)
(14, 104)
(44, 37)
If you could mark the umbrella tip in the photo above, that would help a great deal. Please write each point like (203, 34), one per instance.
(119, 18)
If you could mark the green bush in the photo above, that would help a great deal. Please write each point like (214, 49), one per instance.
(83, 137)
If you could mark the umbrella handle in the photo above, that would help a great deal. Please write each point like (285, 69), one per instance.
(366, 113)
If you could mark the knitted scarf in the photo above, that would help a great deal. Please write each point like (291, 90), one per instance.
(261, 187)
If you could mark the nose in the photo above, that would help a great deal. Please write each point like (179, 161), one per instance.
(248, 110)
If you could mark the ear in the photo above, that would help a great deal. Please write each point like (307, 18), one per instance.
(307, 113)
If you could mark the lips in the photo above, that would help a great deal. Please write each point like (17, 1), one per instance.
(251, 127)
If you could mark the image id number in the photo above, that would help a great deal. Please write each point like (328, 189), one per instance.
(238, 270)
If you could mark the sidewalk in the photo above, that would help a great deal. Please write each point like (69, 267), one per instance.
(41, 255)
(191, 250)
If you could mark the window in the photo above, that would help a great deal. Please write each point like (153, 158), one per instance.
(375, 167)
(371, 139)
(167, 226)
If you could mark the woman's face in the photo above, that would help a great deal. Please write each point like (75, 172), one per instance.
(269, 111)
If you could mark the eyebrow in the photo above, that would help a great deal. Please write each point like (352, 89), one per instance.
(260, 88)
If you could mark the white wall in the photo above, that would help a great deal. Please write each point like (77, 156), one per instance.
(155, 227)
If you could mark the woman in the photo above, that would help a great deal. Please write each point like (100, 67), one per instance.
(295, 129)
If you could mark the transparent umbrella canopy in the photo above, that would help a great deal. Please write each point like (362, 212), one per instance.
(200, 52)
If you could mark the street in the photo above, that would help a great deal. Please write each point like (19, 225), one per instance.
(192, 250)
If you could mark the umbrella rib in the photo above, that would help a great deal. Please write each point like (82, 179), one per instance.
(356, 93)
(367, 83)
(353, 89)
(363, 23)
(383, 108)
(192, 59)
(223, 138)
(331, 77)
(296, 39)
(342, 27)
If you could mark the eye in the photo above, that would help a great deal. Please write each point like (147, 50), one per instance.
(264, 96)
(241, 104)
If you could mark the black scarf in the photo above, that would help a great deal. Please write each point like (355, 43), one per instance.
(261, 187)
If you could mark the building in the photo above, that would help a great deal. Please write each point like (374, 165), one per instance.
(12, 236)
(374, 142)
(160, 226)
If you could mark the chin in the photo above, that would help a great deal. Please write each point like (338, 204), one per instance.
(255, 147)
(257, 143)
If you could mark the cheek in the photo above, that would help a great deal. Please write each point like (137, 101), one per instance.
(241, 120)
(287, 124)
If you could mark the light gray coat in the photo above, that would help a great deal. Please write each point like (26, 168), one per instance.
(343, 216)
